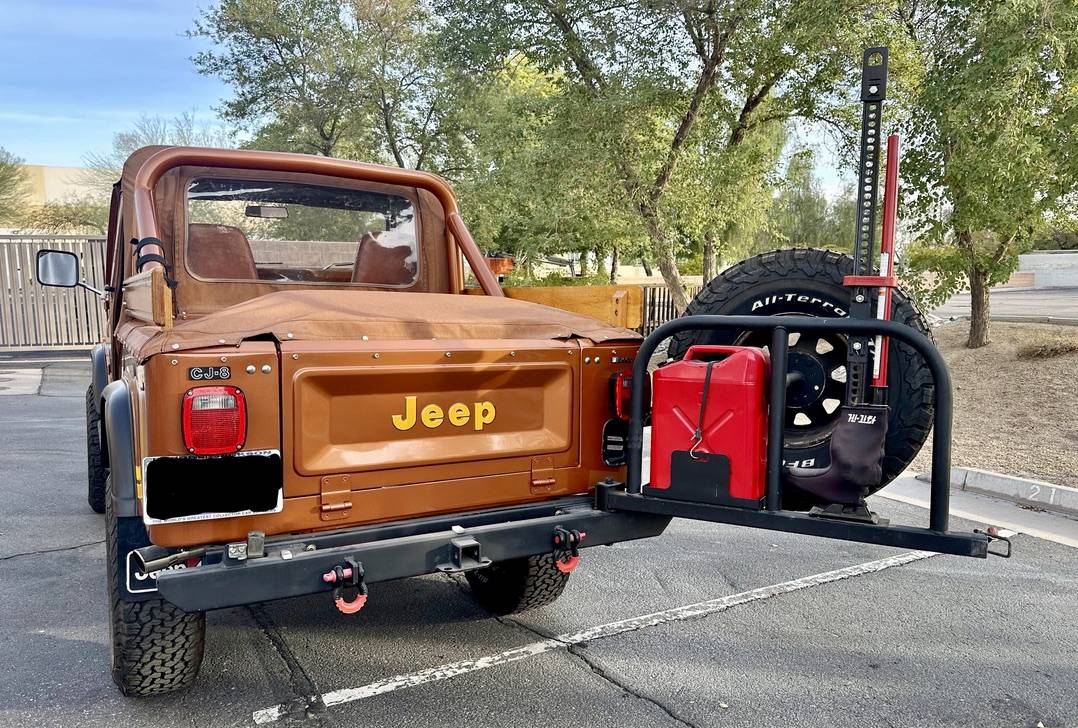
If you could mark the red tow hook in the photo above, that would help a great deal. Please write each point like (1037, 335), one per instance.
(348, 575)
(567, 549)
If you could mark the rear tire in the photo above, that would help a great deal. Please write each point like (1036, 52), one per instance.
(156, 647)
(95, 467)
(808, 282)
(508, 587)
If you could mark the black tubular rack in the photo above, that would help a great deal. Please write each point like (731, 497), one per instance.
(629, 496)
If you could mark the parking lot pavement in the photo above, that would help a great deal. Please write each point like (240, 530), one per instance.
(1031, 303)
(935, 641)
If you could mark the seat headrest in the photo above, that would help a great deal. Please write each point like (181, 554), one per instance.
(219, 251)
(379, 265)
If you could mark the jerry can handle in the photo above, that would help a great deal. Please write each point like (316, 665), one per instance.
(710, 352)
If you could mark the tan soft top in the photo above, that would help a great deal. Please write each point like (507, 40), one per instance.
(335, 315)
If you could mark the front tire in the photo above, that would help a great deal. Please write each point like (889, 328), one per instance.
(95, 466)
(508, 587)
(156, 647)
(808, 282)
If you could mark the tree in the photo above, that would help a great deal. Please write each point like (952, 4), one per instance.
(13, 187)
(358, 79)
(801, 214)
(990, 132)
(103, 168)
(650, 80)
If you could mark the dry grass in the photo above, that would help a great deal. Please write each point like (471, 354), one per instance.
(1048, 345)
(1016, 411)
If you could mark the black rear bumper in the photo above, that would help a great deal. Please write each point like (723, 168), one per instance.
(294, 565)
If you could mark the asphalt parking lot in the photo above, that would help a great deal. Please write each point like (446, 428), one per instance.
(783, 630)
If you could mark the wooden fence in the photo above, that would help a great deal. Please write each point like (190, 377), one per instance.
(659, 306)
(33, 316)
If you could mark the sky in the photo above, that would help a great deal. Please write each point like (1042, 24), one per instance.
(74, 72)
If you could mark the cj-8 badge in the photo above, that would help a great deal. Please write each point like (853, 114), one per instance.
(204, 373)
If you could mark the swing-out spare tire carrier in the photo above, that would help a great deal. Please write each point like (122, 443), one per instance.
(630, 496)
(809, 282)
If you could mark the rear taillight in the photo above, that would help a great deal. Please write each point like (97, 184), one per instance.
(621, 392)
(214, 420)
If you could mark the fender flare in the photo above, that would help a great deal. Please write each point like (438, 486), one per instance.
(120, 439)
(99, 371)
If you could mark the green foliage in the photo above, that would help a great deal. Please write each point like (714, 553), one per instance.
(13, 187)
(357, 79)
(659, 98)
(990, 128)
(801, 216)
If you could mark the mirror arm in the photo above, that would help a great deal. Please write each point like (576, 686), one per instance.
(100, 294)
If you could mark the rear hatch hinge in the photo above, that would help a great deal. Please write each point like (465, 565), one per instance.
(542, 480)
(336, 497)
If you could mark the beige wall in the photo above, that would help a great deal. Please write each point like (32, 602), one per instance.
(54, 184)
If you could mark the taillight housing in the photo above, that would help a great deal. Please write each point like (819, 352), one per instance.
(621, 390)
(214, 420)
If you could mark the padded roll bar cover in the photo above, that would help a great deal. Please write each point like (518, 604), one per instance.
(856, 454)
(120, 437)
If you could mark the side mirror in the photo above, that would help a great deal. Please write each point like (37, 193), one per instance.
(57, 268)
(60, 268)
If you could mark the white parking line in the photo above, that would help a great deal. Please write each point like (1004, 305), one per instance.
(712, 606)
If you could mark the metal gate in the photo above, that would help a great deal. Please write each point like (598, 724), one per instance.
(36, 316)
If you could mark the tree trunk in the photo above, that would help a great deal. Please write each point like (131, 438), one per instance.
(584, 263)
(709, 258)
(980, 309)
(647, 267)
(667, 261)
(614, 265)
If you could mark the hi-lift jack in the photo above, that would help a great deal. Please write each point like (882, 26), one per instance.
(347, 575)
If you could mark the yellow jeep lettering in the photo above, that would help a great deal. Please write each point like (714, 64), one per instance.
(432, 416)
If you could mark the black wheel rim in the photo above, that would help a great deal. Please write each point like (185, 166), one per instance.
(818, 387)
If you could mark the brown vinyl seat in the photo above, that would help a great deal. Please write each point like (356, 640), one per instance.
(219, 251)
(379, 265)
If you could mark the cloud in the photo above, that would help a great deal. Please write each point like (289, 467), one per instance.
(32, 118)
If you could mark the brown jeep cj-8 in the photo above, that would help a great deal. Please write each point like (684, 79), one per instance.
(296, 397)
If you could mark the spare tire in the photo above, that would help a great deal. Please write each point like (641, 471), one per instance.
(808, 282)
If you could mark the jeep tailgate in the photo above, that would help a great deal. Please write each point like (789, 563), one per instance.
(492, 420)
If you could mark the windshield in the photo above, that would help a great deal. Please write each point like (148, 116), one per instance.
(265, 230)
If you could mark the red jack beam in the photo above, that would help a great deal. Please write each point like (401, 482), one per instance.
(887, 258)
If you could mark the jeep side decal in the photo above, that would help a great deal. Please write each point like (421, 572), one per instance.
(480, 414)
(798, 298)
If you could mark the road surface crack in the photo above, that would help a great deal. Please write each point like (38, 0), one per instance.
(51, 551)
(580, 652)
(306, 703)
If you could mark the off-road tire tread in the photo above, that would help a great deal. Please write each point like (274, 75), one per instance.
(95, 467)
(156, 646)
(509, 587)
(911, 418)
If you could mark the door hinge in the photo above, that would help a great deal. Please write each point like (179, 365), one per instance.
(336, 497)
(543, 479)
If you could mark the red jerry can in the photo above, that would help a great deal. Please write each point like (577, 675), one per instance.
(735, 417)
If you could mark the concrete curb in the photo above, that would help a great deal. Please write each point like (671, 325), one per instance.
(1060, 499)
(1056, 320)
